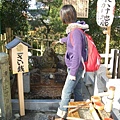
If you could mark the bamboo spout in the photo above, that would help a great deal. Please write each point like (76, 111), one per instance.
(109, 101)
(102, 94)
(93, 111)
(109, 93)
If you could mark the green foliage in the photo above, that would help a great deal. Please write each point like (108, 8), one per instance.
(13, 16)
(55, 22)
(115, 30)
(0, 4)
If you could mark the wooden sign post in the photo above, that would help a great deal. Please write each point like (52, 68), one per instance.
(21, 93)
(104, 18)
(19, 63)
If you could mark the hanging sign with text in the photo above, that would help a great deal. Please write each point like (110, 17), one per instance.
(81, 6)
(105, 12)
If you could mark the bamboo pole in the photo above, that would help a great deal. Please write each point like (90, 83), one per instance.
(74, 118)
(109, 101)
(93, 111)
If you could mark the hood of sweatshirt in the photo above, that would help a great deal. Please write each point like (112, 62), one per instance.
(79, 24)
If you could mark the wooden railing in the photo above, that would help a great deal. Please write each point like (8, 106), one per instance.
(2, 43)
(37, 41)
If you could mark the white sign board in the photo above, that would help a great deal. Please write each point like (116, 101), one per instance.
(105, 12)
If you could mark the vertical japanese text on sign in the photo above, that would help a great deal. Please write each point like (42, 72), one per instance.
(105, 12)
(20, 62)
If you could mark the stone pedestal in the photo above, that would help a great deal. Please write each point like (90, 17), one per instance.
(5, 94)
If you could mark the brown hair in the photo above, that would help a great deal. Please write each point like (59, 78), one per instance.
(68, 14)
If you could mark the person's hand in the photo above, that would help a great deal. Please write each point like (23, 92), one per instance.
(55, 42)
(72, 77)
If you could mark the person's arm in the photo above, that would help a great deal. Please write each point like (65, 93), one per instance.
(62, 40)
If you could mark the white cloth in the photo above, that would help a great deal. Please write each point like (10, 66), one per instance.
(72, 77)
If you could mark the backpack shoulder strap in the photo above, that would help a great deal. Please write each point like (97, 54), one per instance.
(71, 38)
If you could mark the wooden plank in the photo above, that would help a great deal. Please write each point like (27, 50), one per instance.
(103, 114)
(74, 114)
(82, 113)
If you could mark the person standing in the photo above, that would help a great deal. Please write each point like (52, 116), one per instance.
(73, 58)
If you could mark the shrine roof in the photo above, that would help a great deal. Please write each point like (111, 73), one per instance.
(15, 42)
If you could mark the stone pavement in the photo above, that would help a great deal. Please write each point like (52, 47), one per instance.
(33, 115)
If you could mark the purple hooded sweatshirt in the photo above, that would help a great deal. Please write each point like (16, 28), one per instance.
(74, 51)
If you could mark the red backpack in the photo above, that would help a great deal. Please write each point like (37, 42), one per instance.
(92, 63)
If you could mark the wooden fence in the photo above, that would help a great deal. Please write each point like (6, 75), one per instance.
(38, 42)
